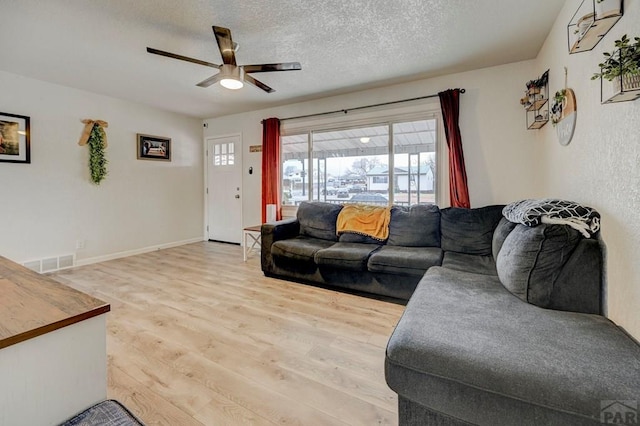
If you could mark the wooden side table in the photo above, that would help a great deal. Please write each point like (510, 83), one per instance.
(251, 235)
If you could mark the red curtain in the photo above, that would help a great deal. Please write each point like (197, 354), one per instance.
(458, 189)
(271, 166)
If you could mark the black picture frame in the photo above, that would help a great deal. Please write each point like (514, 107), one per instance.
(15, 138)
(153, 147)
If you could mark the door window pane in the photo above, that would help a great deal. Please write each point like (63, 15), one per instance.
(223, 154)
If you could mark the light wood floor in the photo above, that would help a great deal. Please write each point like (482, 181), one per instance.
(198, 337)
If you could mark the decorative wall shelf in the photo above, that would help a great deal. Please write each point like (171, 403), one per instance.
(536, 102)
(622, 89)
(590, 23)
(620, 71)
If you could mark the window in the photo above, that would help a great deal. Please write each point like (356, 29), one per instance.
(295, 156)
(223, 154)
(380, 164)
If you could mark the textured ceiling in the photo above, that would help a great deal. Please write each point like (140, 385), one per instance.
(343, 46)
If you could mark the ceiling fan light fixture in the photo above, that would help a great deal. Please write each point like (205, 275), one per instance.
(232, 77)
(231, 83)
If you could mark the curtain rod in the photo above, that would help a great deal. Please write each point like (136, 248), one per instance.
(345, 111)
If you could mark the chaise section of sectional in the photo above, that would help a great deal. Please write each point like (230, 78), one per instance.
(468, 351)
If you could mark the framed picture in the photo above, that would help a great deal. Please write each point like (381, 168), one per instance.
(154, 148)
(15, 143)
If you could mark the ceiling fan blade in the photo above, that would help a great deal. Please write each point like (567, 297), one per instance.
(211, 80)
(258, 83)
(225, 44)
(182, 58)
(285, 66)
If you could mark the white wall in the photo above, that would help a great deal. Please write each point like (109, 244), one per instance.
(48, 205)
(498, 148)
(601, 166)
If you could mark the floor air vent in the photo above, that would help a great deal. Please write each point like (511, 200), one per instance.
(51, 264)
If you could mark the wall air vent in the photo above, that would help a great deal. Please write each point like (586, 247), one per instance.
(51, 264)
(34, 265)
(65, 261)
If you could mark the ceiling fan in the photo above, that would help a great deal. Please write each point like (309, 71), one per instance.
(231, 75)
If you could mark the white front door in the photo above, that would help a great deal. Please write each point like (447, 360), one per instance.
(224, 183)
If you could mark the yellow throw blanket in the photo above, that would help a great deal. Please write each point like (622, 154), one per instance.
(371, 221)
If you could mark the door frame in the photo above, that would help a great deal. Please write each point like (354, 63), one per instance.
(205, 194)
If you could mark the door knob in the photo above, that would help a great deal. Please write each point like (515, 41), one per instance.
(237, 196)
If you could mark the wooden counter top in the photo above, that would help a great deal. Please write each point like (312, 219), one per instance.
(32, 304)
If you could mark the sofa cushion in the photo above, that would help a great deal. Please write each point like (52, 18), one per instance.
(467, 347)
(484, 265)
(350, 237)
(349, 256)
(404, 260)
(318, 220)
(297, 253)
(469, 231)
(415, 226)
(531, 259)
(500, 234)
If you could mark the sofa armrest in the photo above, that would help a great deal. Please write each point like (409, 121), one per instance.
(272, 232)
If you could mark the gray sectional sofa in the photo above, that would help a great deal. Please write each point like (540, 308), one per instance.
(504, 323)
(307, 248)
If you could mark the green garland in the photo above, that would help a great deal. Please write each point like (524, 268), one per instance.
(97, 158)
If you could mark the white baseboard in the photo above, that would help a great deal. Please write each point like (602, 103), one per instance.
(97, 259)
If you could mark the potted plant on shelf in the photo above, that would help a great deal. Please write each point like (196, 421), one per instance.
(534, 86)
(622, 66)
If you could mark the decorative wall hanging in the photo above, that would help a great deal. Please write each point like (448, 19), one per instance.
(95, 136)
(154, 148)
(620, 72)
(15, 138)
(564, 113)
(536, 102)
(590, 23)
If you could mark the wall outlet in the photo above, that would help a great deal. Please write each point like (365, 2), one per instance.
(79, 244)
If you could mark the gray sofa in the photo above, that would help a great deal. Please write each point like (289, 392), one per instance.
(504, 323)
(307, 249)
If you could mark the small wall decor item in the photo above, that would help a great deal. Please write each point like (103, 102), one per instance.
(564, 115)
(536, 102)
(590, 23)
(95, 136)
(620, 72)
(15, 140)
(154, 148)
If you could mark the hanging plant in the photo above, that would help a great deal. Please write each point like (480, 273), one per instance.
(97, 158)
(95, 136)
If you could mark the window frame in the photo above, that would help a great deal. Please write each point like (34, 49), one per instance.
(385, 117)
